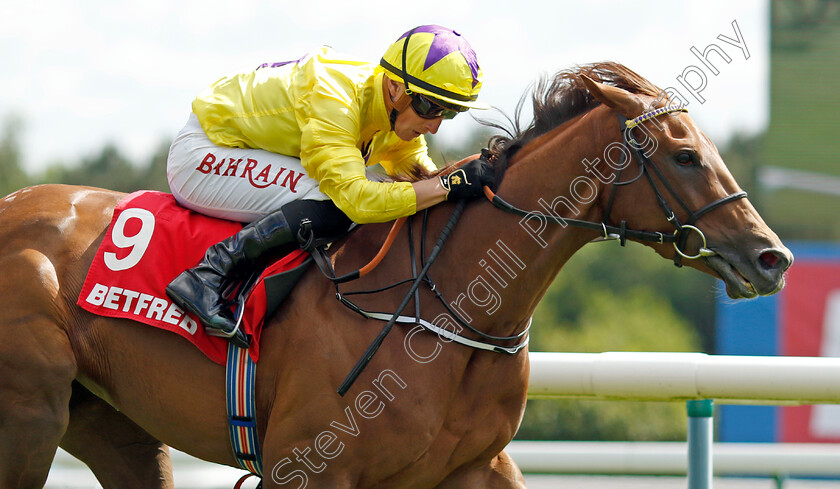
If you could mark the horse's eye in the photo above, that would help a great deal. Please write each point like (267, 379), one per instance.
(685, 158)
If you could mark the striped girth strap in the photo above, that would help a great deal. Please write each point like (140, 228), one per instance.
(242, 415)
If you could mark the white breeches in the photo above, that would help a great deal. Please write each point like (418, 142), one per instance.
(238, 184)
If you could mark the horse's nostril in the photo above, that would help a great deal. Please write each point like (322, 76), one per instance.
(770, 259)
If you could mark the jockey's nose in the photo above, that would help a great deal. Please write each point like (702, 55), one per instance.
(434, 124)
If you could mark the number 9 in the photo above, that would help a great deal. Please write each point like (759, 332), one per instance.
(138, 243)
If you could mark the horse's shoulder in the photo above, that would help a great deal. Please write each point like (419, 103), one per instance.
(363, 240)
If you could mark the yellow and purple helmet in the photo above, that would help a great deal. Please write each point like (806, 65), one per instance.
(437, 62)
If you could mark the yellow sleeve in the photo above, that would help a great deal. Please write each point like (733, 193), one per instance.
(329, 124)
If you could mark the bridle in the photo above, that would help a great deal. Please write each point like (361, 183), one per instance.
(609, 232)
(621, 233)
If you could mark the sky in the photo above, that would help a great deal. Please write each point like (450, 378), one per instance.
(81, 74)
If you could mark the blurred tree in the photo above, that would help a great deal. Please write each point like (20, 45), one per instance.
(109, 169)
(12, 176)
(804, 68)
(610, 299)
(804, 14)
(600, 267)
(153, 176)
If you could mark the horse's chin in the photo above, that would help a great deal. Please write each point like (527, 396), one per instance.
(738, 286)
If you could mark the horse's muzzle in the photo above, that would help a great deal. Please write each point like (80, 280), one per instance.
(751, 274)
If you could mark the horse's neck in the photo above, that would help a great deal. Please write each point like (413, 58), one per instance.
(498, 266)
(495, 267)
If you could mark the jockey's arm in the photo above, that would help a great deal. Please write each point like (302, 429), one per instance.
(415, 153)
(429, 192)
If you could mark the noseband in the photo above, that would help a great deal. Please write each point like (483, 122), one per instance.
(621, 233)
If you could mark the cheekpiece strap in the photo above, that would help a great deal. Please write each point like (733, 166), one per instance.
(654, 113)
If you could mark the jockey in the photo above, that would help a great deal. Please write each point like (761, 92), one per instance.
(291, 141)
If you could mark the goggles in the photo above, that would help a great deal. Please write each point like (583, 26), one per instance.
(428, 108)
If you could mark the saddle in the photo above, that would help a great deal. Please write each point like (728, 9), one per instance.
(151, 239)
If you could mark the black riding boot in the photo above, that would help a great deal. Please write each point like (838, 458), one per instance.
(200, 289)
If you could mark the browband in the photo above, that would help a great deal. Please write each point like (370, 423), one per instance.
(654, 113)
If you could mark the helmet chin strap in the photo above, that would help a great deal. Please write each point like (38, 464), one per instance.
(400, 104)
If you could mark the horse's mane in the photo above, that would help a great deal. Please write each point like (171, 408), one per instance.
(555, 100)
(562, 98)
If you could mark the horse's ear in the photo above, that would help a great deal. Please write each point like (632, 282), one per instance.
(621, 100)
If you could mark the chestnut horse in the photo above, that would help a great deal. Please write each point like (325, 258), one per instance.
(426, 412)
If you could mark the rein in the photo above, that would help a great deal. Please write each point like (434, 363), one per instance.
(377, 342)
(608, 232)
(413, 293)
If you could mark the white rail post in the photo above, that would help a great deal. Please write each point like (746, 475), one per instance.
(700, 438)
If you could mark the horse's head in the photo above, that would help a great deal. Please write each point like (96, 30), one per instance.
(675, 169)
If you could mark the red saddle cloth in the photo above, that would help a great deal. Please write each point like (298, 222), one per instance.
(150, 241)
